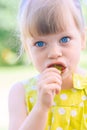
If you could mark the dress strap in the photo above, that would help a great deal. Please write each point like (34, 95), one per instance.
(80, 82)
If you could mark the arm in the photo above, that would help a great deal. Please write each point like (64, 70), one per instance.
(48, 85)
(36, 119)
(16, 107)
(18, 118)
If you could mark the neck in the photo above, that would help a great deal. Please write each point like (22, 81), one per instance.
(67, 83)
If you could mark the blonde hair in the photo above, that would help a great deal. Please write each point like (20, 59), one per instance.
(44, 17)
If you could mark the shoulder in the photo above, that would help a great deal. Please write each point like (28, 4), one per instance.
(80, 79)
(16, 89)
(30, 83)
(16, 105)
(82, 72)
(16, 96)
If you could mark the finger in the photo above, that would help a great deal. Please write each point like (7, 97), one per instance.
(52, 69)
(47, 74)
(51, 89)
(50, 80)
(55, 88)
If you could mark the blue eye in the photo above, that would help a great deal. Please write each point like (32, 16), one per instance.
(64, 40)
(40, 44)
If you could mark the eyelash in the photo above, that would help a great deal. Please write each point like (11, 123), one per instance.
(65, 39)
(40, 44)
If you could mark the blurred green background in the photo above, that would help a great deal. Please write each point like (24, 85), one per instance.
(12, 68)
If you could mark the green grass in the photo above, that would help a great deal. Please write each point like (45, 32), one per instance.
(8, 13)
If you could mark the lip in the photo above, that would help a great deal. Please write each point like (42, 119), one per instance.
(60, 64)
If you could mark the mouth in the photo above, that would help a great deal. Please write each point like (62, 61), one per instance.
(60, 67)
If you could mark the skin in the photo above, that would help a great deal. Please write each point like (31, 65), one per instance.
(51, 82)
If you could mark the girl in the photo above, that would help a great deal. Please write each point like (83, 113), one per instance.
(53, 35)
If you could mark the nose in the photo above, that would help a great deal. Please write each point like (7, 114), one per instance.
(55, 52)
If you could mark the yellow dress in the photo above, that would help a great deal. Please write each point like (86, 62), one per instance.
(69, 110)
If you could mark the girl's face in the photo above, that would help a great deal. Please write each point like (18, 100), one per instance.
(62, 49)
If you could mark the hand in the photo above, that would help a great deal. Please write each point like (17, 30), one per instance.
(49, 84)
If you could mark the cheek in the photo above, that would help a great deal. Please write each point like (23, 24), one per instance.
(37, 62)
(35, 59)
(74, 58)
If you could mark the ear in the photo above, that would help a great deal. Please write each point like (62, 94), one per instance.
(83, 40)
